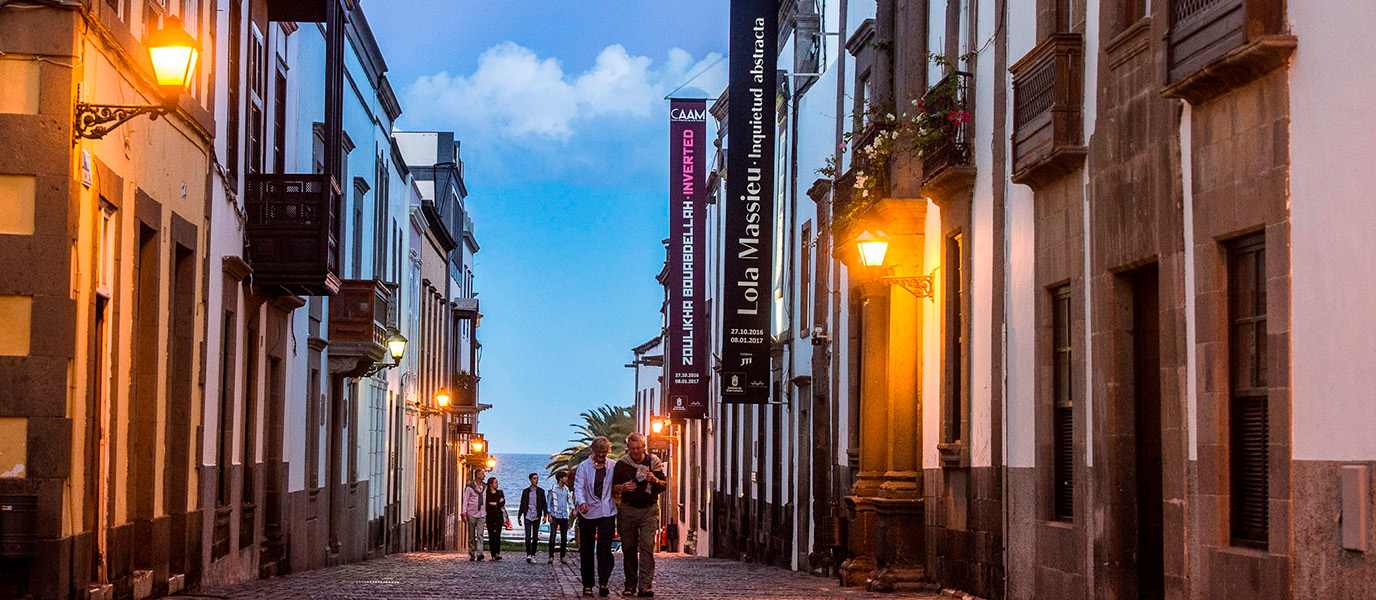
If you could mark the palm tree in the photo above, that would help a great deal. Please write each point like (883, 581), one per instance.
(614, 422)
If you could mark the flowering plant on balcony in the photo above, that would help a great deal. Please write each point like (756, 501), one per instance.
(466, 381)
(929, 123)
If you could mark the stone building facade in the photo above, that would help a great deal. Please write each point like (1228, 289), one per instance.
(227, 289)
(1087, 367)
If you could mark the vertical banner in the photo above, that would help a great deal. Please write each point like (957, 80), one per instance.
(686, 356)
(751, 92)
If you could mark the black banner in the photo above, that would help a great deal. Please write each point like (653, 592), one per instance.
(746, 278)
(686, 356)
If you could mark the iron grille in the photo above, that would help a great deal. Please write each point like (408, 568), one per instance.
(953, 147)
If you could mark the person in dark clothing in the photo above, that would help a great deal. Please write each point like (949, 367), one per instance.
(496, 518)
(592, 494)
(533, 508)
(639, 480)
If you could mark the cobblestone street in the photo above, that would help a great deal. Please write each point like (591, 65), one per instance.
(424, 576)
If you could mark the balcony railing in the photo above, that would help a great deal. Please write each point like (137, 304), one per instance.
(1048, 130)
(1216, 45)
(292, 239)
(358, 321)
(948, 96)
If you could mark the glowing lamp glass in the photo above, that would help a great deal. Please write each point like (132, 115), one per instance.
(173, 53)
(442, 399)
(872, 248)
(656, 425)
(477, 445)
(396, 346)
(491, 463)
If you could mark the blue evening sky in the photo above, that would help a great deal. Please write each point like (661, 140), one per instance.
(559, 107)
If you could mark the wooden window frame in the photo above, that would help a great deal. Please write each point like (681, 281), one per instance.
(805, 280)
(1062, 346)
(1248, 397)
(955, 409)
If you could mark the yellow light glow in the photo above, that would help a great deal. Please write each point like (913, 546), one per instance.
(172, 65)
(173, 53)
(656, 424)
(396, 346)
(477, 445)
(491, 463)
(442, 398)
(872, 246)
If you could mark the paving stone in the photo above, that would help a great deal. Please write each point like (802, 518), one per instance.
(426, 576)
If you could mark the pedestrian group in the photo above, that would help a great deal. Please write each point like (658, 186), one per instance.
(603, 497)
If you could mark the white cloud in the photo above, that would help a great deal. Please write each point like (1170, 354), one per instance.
(515, 92)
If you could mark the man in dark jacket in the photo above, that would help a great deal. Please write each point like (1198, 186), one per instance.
(639, 478)
(533, 510)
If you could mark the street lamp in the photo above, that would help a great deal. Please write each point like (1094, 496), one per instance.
(396, 345)
(442, 398)
(872, 248)
(396, 348)
(173, 54)
(491, 463)
(657, 425)
(477, 445)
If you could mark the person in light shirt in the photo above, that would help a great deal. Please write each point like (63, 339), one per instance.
(560, 509)
(592, 493)
(474, 514)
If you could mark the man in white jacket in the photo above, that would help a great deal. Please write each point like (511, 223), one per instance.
(592, 492)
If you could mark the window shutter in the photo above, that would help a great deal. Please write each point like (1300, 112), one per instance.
(1064, 463)
(1249, 428)
(1063, 413)
(1249, 470)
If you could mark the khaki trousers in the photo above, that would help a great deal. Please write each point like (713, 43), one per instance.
(639, 539)
(475, 534)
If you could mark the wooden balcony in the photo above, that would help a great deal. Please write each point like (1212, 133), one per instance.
(948, 170)
(291, 232)
(1048, 117)
(1214, 46)
(358, 326)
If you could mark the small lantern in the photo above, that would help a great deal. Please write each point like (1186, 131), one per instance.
(872, 247)
(442, 398)
(173, 53)
(396, 346)
(491, 463)
(657, 425)
(477, 445)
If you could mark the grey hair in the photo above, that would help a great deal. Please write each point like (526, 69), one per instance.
(601, 439)
(635, 436)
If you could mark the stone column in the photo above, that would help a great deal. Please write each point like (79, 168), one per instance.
(874, 430)
(900, 532)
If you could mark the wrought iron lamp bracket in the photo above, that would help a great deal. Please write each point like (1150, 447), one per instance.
(378, 367)
(920, 285)
(93, 121)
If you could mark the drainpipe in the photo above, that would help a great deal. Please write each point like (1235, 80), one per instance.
(834, 283)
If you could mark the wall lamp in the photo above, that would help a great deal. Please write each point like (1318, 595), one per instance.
(873, 246)
(173, 53)
(396, 347)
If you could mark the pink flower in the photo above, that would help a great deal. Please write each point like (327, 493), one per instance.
(842, 147)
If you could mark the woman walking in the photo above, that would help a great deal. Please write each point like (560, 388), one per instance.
(496, 518)
(592, 492)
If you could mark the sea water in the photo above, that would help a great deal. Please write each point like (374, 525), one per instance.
(512, 473)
